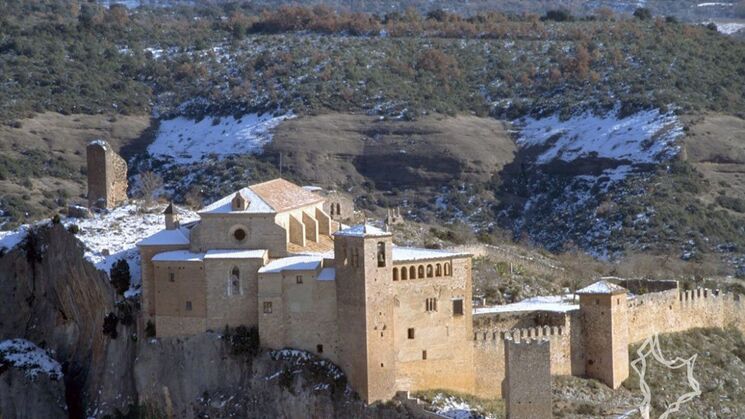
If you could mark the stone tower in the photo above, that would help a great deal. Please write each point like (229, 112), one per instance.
(364, 272)
(527, 379)
(603, 309)
(171, 215)
(107, 176)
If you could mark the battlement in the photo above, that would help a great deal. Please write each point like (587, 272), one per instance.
(522, 334)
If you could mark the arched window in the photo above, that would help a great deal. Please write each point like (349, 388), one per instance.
(420, 271)
(430, 272)
(404, 273)
(338, 208)
(395, 274)
(234, 286)
(332, 210)
(412, 272)
(381, 254)
(448, 271)
(438, 270)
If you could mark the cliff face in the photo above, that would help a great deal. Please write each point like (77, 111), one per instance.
(53, 297)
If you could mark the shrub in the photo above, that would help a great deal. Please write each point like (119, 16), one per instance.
(150, 329)
(643, 13)
(73, 229)
(109, 325)
(559, 15)
(731, 203)
(120, 276)
(243, 340)
(56, 219)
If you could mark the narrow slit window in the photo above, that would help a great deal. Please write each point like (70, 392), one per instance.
(410, 333)
(267, 307)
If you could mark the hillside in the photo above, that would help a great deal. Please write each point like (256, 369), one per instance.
(214, 97)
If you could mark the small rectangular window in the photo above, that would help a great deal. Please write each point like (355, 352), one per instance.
(457, 307)
(188, 306)
(411, 333)
(171, 276)
(299, 279)
(319, 349)
(424, 354)
(268, 307)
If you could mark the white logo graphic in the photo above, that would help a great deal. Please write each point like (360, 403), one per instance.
(651, 346)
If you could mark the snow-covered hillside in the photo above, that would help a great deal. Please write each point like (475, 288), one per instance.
(111, 236)
(570, 166)
(183, 141)
(642, 138)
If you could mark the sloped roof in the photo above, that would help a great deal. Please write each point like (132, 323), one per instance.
(602, 287)
(276, 195)
(165, 237)
(292, 263)
(283, 195)
(362, 230)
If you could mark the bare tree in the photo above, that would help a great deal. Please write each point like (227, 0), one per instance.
(194, 197)
(149, 184)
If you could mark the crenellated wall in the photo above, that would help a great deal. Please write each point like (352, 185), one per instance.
(489, 354)
(676, 311)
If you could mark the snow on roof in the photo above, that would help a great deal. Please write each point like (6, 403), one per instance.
(224, 204)
(602, 287)
(401, 254)
(283, 195)
(554, 303)
(362, 230)
(292, 263)
(165, 237)
(27, 356)
(235, 254)
(178, 256)
(312, 188)
(327, 274)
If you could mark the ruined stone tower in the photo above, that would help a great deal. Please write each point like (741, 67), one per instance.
(107, 176)
(603, 308)
(365, 310)
(527, 378)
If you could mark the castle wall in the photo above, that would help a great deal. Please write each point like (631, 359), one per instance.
(673, 311)
(303, 314)
(215, 231)
(445, 336)
(225, 307)
(180, 298)
(489, 355)
(528, 379)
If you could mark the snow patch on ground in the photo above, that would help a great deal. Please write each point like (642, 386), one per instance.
(25, 355)
(10, 239)
(554, 303)
(455, 408)
(183, 141)
(728, 28)
(644, 137)
(111, 236)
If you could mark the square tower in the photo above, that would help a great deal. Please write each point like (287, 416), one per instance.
(364, 290)
(528, 378)
(603, 309)
(107, 176)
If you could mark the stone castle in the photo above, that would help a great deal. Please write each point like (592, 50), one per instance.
(393, 318)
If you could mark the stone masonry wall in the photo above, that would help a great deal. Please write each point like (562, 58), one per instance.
(107, 176)
(528, 382)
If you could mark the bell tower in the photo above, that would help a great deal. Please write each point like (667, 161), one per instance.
(364, 290)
